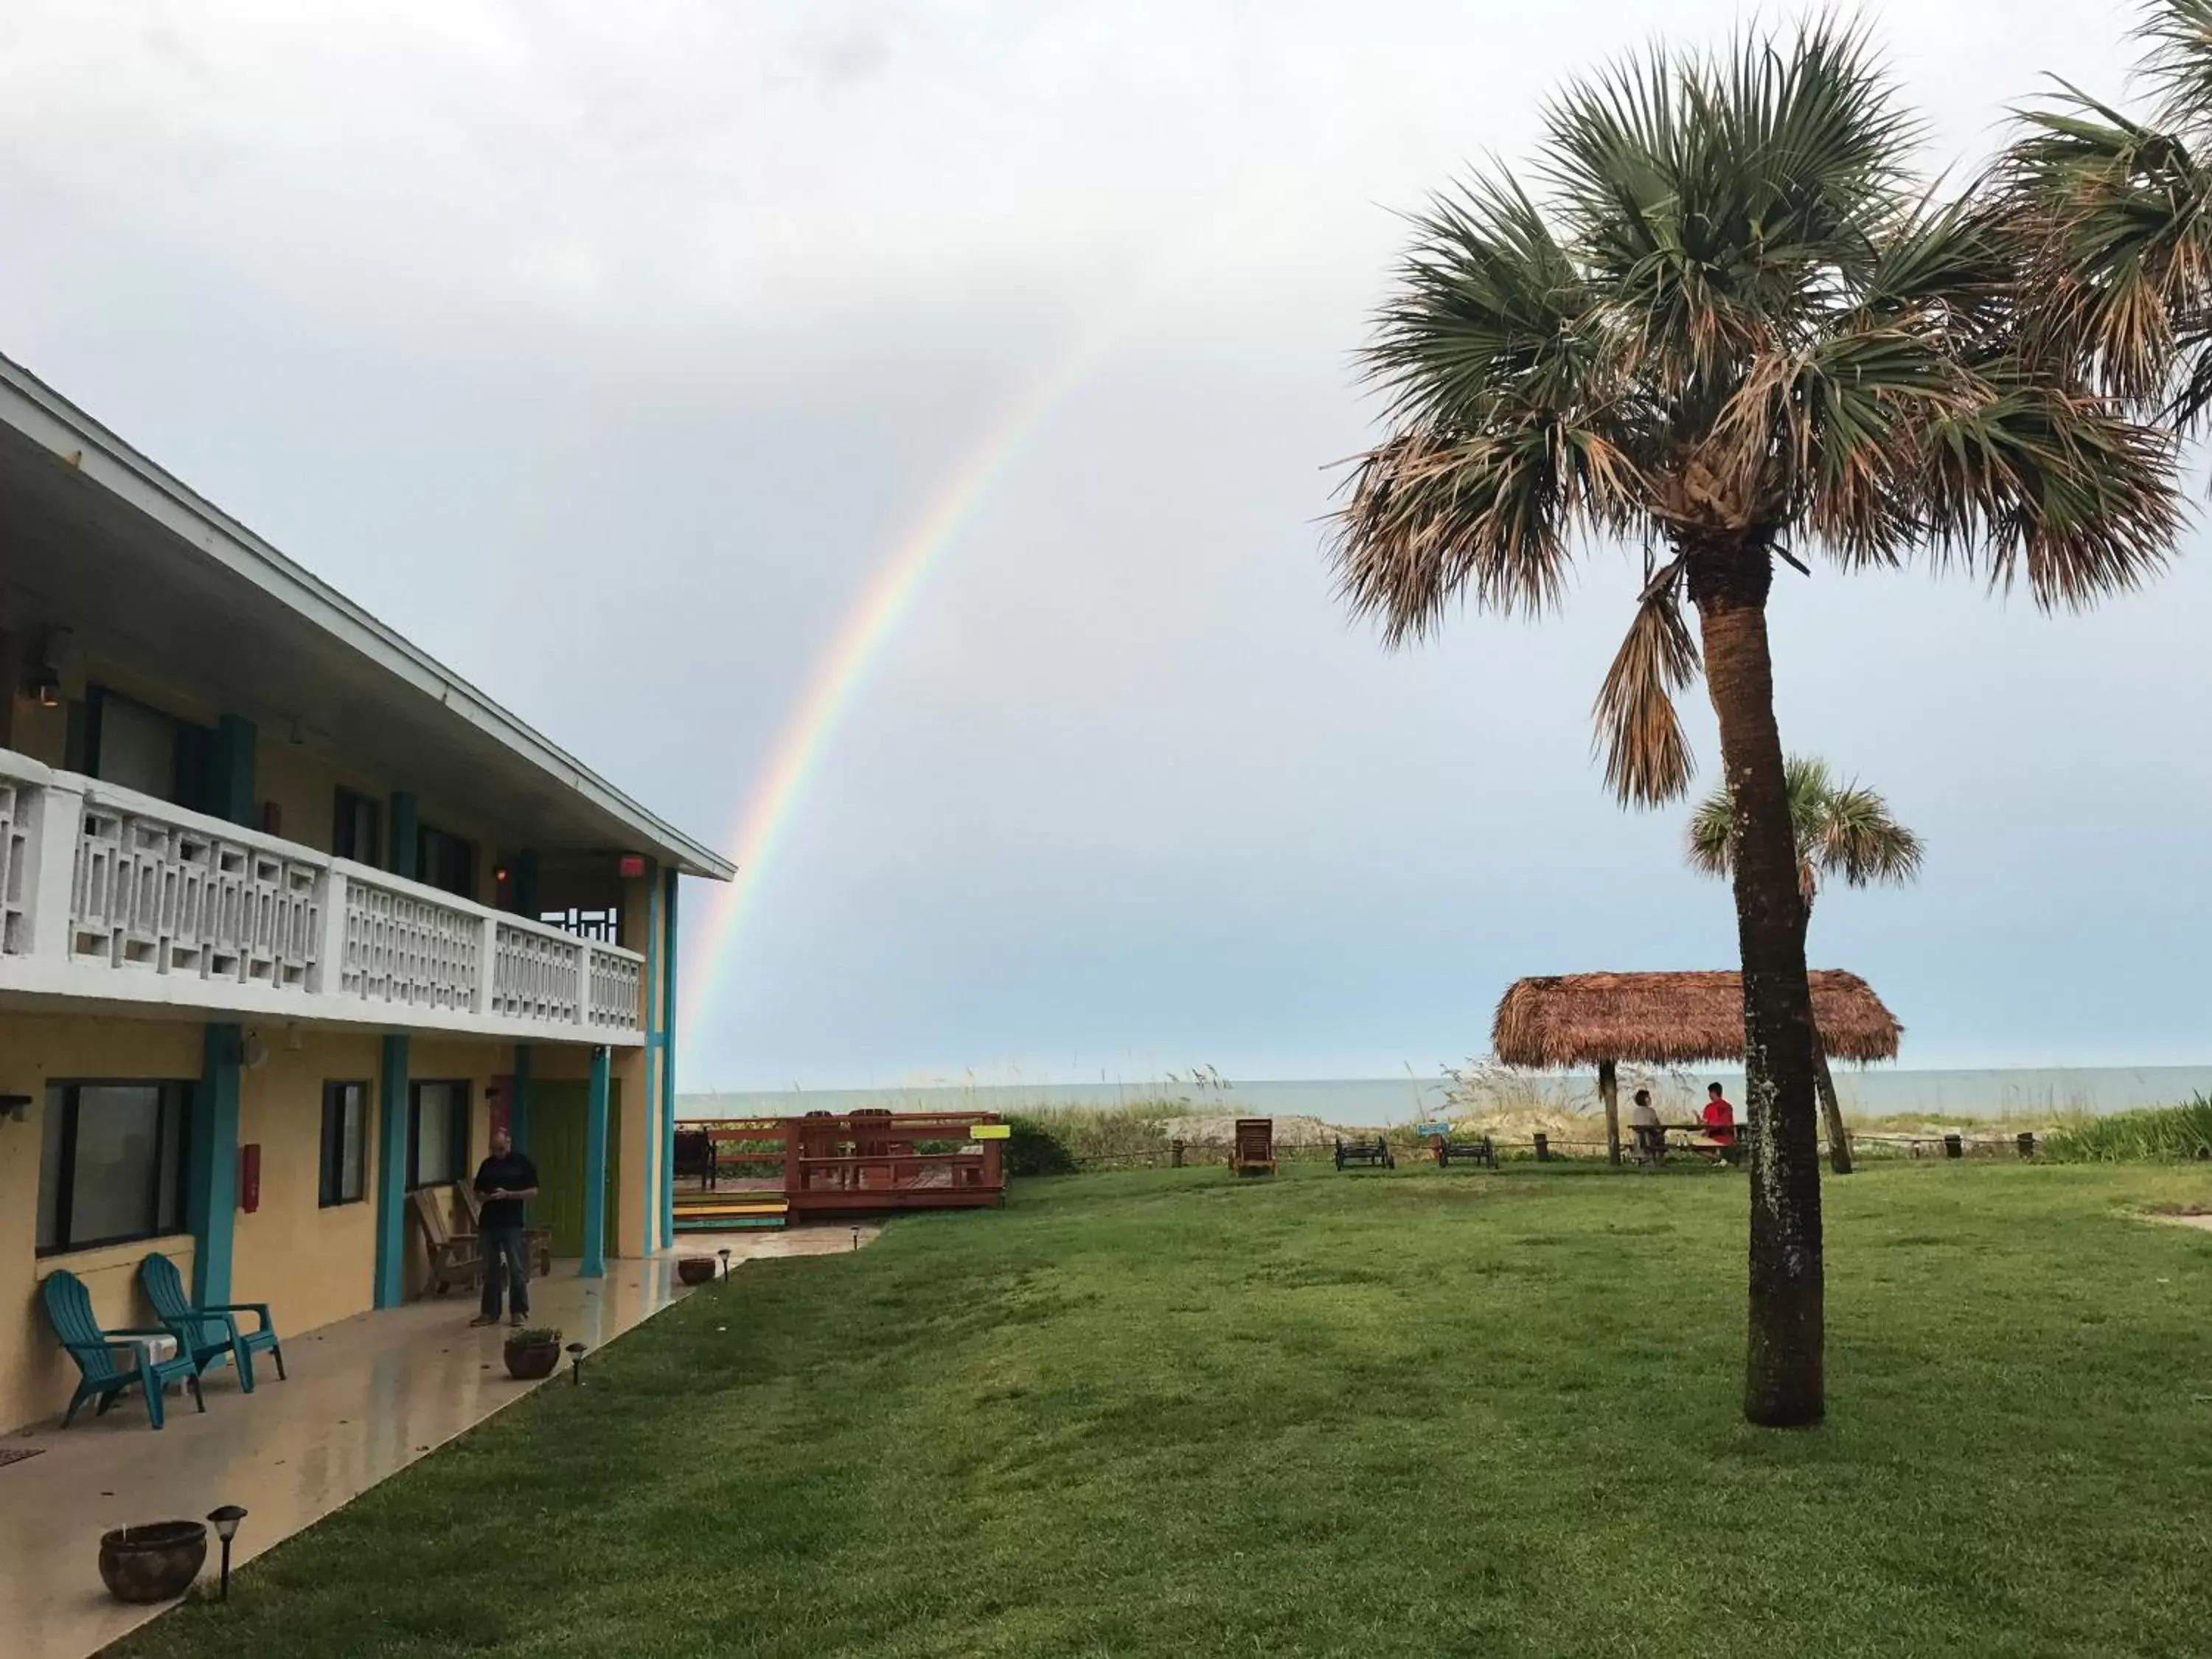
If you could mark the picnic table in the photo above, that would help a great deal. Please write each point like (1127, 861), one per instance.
(1727, 1150)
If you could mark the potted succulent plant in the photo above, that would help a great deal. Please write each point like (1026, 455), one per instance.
(532, 1353)
(155, 1563)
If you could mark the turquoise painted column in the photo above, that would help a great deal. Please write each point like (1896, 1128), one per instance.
(595, 1172)
(405, 841)
(230, 770)
(392, 1176)
(211, 1203)
(668, 1063)
(518, 1104)
(526, 884)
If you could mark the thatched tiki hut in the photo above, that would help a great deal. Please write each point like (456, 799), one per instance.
(1569, 1020)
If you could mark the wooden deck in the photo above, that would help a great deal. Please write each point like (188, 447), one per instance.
(769, 1171)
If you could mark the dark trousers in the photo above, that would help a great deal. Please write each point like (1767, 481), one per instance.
(505, 1260)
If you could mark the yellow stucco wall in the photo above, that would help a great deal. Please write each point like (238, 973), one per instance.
(312, 1265)
(36, 1378)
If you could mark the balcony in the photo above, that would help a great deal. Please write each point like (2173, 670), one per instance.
(110, 897)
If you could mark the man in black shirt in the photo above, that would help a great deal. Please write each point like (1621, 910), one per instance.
(505, 1181)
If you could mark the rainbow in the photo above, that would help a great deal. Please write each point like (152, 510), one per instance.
(843, 665)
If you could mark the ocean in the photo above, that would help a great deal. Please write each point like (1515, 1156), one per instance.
(1363, 1102)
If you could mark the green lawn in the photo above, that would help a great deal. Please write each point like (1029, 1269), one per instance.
(1420, 1413)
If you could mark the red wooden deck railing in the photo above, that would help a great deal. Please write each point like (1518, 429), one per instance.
(859, 1161)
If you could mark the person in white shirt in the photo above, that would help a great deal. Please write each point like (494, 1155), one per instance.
(1644, 1123)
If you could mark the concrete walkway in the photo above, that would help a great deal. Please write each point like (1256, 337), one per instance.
(366, 1397)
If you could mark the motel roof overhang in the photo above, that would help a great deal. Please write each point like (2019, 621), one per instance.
(90, 528)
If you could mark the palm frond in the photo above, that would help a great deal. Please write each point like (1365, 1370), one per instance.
(1647, 758)
(1859, 840)
(2032, 480)
(2177, 62)
(1504, 394)
(1843, 829)
(2120, 219)
(1711, 839)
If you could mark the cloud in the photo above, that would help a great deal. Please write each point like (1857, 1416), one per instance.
(610, 352)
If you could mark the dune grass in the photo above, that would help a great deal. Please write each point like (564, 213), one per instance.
(1159, 1413)
(2150, 1135)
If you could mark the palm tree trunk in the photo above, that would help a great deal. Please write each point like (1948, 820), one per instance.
(1839, 1143)
(1782, 1383)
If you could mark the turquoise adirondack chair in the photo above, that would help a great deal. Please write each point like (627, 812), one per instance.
(95, 1350)
(205, 1335)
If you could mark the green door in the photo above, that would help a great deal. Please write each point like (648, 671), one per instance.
(557, 1112)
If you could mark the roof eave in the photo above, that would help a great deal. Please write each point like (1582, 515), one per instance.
(44, 416)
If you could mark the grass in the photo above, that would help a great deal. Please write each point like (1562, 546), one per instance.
(2152, 1134)
(1156, 1412)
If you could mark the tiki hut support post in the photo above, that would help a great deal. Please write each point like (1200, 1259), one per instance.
(1608, 1091)
(1832, 1108)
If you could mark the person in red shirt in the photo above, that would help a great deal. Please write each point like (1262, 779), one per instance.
(1720, 1117)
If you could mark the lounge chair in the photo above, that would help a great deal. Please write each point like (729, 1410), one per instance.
(455, 1258)
(1253, 1153)
(94, 1351)
(205, 1335)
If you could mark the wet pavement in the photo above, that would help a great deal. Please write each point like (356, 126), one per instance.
(367, 1396)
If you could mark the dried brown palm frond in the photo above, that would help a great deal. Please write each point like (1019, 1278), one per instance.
(1647, 758)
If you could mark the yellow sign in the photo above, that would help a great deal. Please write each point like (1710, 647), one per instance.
(990, 1131)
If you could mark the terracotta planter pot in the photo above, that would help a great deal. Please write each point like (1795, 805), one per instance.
(154, 1563)
(695, 1269)
(526, 1362)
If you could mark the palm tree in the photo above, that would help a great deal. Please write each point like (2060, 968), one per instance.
(1736, 329)
(2122, 206)
(1841, 829)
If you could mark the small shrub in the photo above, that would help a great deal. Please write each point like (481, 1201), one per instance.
(1034, 1148)
(2150, 1134)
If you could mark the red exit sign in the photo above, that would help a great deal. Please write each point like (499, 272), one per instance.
(632, 865)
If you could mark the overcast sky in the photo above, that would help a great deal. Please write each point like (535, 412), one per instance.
(607, 351)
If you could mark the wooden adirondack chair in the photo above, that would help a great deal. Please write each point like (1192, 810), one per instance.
(205, 1335)
(1253, 1151)
(538, 1240)
(454, 1258)
(94, 1351)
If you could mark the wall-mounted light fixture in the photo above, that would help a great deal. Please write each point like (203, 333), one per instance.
(43, 686)
(14, 1109)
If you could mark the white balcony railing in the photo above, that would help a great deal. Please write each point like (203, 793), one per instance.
(105, 893)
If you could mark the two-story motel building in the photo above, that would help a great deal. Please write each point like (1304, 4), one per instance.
(289, 916)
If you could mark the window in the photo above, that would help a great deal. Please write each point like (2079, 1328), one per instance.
(136, 747)
(345, 1112)
(356, 831)
(437, 1133)
(111, 1163)
(446, 862)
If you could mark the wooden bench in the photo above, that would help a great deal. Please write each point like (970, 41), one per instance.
(1374, 1154)
(455, 1258)
(1450, 1152)
(536, 1241)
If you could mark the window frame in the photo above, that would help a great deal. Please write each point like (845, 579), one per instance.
(330, 1161)
(457, 1131)
(172, 1094)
